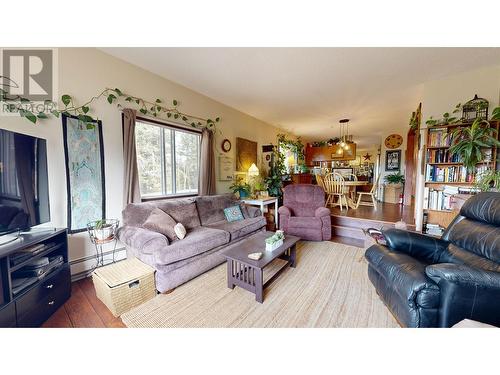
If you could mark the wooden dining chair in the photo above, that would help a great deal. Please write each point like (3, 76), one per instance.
(335, 187)
(371, 194)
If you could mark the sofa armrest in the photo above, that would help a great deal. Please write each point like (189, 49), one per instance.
(463, 275)
(144, 240)
(466, 293)
(322, 211)
(284, 210)
(253, 211)
(415, 244)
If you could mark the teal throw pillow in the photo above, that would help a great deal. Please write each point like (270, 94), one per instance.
(233, 213)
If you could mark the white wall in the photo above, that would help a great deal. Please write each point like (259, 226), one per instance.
(84, 72)
(442, 95)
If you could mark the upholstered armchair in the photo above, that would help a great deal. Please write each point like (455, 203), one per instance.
(437, 282)
(304, 214)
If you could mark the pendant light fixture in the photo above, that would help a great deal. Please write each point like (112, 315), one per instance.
(345, 137)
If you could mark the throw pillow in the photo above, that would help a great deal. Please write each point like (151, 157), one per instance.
(161, 222)
(180, 231)
(233, 213)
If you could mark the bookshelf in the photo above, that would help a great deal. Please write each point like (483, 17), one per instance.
(446, 179)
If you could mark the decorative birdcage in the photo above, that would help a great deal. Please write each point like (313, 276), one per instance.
(476, 108)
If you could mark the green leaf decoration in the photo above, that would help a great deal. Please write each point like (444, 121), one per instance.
(158, 108)
(169, 114)
(184, 118)
(137, 101)
(143, 111)
(217, 119)
(85, 118)
(85, 109)
(174, 102)
(90, 126)
(118, 92)
(158, 101)
(66, 99)
(55, 113)
(193, 125)
(128, 99)
(42, 115)
(176, 116)
(111, 97)
(29, 115)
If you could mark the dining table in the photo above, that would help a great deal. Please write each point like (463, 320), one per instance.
(352, 185)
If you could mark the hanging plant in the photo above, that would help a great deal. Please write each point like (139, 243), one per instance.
(157, 108)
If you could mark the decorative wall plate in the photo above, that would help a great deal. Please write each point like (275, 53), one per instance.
(226, 145)
(393, 141)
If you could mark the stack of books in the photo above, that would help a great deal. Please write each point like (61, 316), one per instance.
(26, 253)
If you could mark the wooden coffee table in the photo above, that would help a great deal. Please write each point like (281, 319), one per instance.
(247, 273)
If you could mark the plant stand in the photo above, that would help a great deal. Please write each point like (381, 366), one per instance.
(102, 232)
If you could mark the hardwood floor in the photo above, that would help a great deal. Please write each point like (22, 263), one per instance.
(83, 310)
(388, 212)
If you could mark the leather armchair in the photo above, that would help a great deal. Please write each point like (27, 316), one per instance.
(437, 282)
(303, 213)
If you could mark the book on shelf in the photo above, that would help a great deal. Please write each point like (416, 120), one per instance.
(442, 156)
(439, 138)
(447, 198)
(454, 173)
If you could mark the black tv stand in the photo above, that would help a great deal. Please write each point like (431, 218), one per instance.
(32, 305)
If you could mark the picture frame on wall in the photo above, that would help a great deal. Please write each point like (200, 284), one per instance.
(392, 160)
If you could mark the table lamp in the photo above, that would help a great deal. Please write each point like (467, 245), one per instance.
(253, 170)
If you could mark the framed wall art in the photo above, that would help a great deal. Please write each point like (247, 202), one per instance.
(392, 160)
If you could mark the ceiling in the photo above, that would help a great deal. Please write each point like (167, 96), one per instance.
(307, 90)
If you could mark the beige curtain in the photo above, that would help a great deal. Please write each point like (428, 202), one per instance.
(131, 190)
(206, 181)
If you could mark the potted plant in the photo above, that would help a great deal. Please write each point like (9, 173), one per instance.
(393, 189)
(104, 230)
(468, 142)
(241, 187)
(395, 178)
(488, 181)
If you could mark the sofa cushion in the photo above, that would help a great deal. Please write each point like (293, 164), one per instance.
(304, 222)
(233, 213)
(182, 210)
(238, 229)
(161, 222)
(457, 255)
(197, 241)
(402, 284)
(404, 276)
(477, 237)
(211, 207)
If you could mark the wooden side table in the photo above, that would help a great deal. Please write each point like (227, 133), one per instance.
(261, 202)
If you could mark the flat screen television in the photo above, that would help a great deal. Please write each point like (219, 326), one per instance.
(24, 185)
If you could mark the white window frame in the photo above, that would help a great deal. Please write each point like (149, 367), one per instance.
(174, 128)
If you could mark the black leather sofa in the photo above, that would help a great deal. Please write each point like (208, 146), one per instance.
(437, 282)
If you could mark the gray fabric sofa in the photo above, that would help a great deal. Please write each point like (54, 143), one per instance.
(208, 235)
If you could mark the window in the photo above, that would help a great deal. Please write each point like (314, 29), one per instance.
(168, 159)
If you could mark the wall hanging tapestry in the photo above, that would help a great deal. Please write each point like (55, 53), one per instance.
(84, 156)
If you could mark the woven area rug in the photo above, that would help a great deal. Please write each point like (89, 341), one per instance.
(328, 288)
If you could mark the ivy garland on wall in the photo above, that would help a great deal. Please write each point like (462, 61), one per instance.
(35, 112)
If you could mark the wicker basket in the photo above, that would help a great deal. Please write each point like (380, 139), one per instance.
(124, 285)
